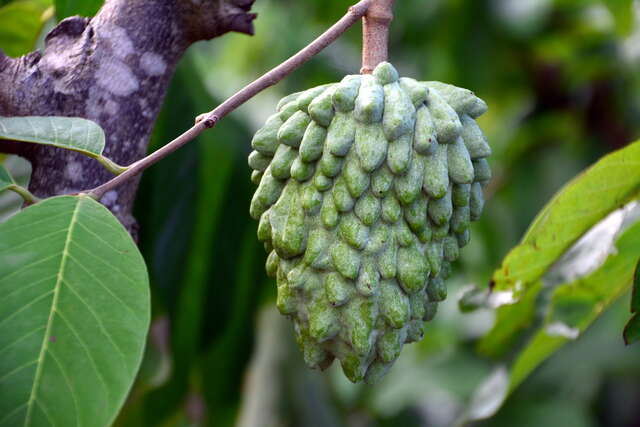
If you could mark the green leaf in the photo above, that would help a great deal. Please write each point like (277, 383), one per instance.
(74, 314)
(65, 8)
(21, 24)
(72, 133)
(622, 11)
(5, 179)
(607, 185)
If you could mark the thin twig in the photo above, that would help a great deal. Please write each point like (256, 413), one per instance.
(375, 34)
(209, 120)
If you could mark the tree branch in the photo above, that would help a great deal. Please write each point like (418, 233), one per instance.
(113, 69)
(209, 120)
(375, 34)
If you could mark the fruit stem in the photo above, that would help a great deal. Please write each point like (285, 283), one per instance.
(375, 34)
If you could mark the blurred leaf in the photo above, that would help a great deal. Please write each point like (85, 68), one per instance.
(21, 24)
(65, 8)
(75, 314)
(489, 396)
(611, 182)
(5, 179)
(20, 171)
(511, 319)
(623, 14)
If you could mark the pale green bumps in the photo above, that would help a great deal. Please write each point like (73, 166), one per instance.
(341, 133)
(436, 172)
(345, 92)
(445, 119)
(399, 113)
(370, 102)
(312, 142)
(292, 131)
(371, 146)
(266, 139)
(366, 191)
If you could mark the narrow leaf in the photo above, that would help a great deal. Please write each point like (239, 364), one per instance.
(74, 314)
(72, 133)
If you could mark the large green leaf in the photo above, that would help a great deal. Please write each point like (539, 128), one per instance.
(21, 24)
(66, 8)
(71, 133)
(607, 185)
(74, 314)
(583, 202)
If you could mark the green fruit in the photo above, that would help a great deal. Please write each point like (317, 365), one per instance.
(366, 190)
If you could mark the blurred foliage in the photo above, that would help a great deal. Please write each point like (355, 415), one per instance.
(561, 80)
(21, 24)
(66, 8)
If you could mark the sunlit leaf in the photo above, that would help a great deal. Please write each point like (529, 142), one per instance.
(74, 314)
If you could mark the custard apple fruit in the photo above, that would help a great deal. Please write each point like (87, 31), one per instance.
(366, 189)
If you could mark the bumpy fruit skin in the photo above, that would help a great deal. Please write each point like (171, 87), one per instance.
(366, 191)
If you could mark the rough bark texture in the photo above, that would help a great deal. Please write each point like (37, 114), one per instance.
(114, 69)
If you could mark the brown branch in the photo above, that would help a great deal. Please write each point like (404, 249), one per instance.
(375, 34)
(269, 79)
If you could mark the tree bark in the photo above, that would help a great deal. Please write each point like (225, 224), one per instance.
(114, 69)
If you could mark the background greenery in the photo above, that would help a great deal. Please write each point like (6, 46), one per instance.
(561, 79)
